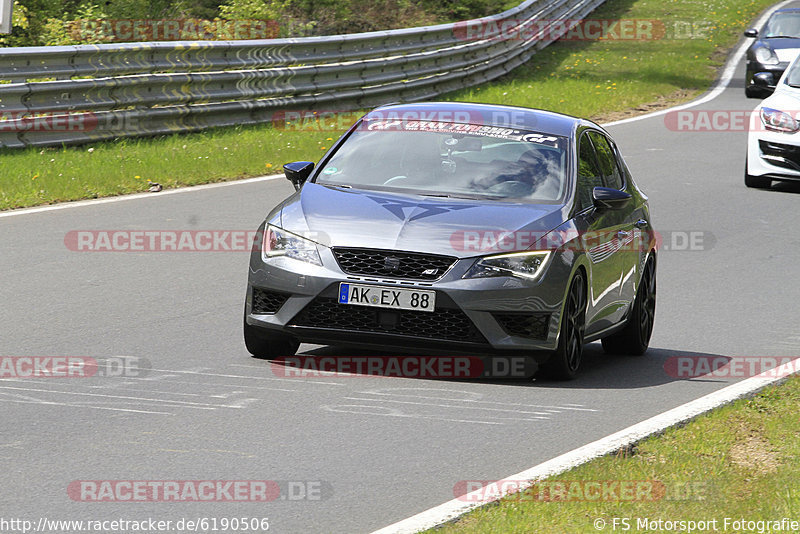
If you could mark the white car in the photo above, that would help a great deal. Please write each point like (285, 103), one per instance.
(773, 143)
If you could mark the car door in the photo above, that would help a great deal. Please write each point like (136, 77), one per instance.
(599, 241)
(627, 231)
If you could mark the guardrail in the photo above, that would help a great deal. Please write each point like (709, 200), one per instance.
(78, 94)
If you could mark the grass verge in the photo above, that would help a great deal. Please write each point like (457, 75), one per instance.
(738, 462)
(600, 79)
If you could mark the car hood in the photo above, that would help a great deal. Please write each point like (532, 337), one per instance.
(785, 49)
(788, 53)
(784, 98)
(372, 219)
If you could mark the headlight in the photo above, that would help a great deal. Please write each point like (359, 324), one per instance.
(528, 265)
(778, 121)
(279, 242)
(766, 56)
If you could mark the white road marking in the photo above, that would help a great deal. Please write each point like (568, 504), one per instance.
(315, 373)
(349, 408)
(294, 380)
(415, 393)
(115, 387)
(552, 409)
(187, 404)
(73, 405)
(157, 378)
(224, 395)
(463, 504)
(136, 196)
(450, 406)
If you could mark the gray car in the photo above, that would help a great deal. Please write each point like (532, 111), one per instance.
(460, 229)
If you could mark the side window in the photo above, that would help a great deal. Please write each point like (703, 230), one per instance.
(589, 174)
(608, 163)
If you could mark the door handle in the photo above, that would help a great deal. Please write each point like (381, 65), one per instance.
(641, 223)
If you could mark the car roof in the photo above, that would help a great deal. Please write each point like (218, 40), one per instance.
(537, 120)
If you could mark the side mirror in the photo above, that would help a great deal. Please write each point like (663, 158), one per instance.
(752, 32)
(298, 172)
(764, 79)
(608, 198)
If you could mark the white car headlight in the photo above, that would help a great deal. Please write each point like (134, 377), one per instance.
(766, 56)
(279, 242)
(778, 121)
(528, 265)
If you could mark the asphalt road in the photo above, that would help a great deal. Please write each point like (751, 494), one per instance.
(381, 448)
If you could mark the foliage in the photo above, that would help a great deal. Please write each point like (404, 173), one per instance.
(52, 22)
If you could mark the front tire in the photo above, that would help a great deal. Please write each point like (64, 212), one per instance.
(266, 345)
(635, 337)
(566, 361)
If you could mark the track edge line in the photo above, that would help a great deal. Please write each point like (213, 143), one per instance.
(657, 424)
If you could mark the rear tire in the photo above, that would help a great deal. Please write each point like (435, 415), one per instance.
(635, 337)
(566, 361)
(266, 345)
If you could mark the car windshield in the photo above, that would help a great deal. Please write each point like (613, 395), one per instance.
(450, 160)
(783, 25)
(792, 76)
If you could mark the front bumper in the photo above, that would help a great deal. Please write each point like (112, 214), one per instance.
(754, 67)
(484, 315)
(774, 154)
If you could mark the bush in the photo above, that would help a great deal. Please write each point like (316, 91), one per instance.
(452, 10)
(47, 22)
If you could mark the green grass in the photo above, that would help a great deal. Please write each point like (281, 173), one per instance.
(739, 461)
(596, 79)
(38, 176)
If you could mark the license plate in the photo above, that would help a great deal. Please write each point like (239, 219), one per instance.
(387, 297)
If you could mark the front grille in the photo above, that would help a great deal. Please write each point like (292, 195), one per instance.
(530, 325)
(780, 155)
(267, 302)
(444, 323)
(392, 264)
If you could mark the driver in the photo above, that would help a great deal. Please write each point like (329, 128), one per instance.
(530, 171)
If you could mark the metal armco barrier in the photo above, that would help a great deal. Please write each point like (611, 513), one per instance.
(78, 94)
